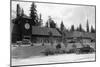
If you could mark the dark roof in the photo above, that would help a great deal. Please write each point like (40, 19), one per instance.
(44, 31)
(80, 34)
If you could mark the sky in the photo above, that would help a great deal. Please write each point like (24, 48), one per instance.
(69, 14)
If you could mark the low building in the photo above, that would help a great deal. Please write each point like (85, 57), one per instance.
(23, 29)
(44, 34)
(77, 36)
(80, 39)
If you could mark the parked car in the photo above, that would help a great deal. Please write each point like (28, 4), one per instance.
(81, 50)
(19, 43)
(85, 49)
(26, 42)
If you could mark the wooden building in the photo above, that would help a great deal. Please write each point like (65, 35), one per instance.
(77, 36)
(23, 29)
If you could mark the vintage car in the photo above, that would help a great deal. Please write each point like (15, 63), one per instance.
(26, 42)
(19, 42)
(85, 49)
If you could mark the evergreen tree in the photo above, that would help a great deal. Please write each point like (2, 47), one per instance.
(62, 26)
(40, 20)
(22, 13)
(18, 11)
(51, 22)
(77, 29)
(47, 24)
(18, 15)
(87, 26)
(33, 15)
(72, 28)
(92, 29)
(80, 28)
(62, 31)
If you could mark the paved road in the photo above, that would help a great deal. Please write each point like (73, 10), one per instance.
(54, 59)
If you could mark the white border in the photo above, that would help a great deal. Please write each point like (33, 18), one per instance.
(5, 33)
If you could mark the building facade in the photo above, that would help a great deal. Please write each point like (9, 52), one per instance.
(76, 36)
(23, 29)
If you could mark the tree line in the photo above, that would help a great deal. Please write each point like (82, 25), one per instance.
(37, 20)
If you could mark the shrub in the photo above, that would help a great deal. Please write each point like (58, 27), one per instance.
(48, 51)
(58, 46)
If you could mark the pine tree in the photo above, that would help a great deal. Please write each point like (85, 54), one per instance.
(51, 22)
(39, 23)
(77, 29)
(62, 26)
(72, 28)
(18, 11)
(33, 14)
(22, 13)
(87, 26)
(18, 14)
(62, 31)
(92, 29)
(80, 28)
(47, 24)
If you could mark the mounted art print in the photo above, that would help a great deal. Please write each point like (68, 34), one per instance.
(51, 33)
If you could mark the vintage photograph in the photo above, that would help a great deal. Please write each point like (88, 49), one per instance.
(52, 33)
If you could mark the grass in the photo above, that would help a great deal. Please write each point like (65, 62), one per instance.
(31, 51)
(28, 51)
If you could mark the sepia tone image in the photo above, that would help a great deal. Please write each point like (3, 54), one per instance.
(50, 33)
